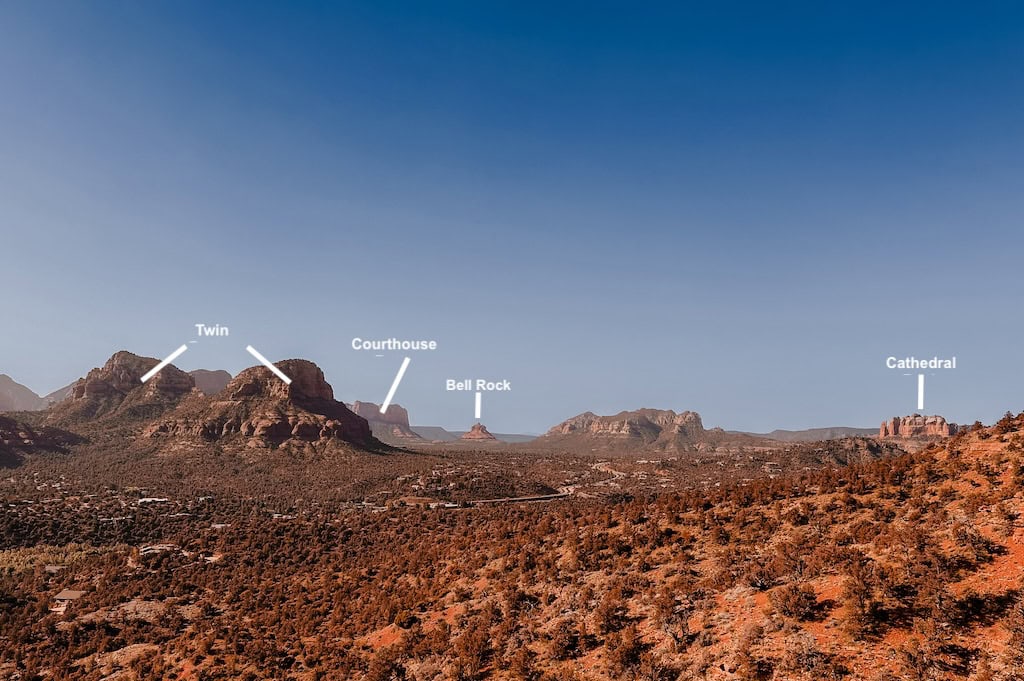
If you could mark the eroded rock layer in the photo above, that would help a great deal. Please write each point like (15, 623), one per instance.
(392, 426)
(116, 390)
(917, 426)
(646, 424)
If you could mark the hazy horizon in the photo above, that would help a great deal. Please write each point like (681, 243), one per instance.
(738, 213)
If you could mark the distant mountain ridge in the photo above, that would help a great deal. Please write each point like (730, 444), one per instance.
(439, 434)
(812, 434)
(60, 394)
(436, 433)
(16, 397)
(210, 382)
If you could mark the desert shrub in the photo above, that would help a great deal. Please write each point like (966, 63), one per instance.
(801, 656)
(565, 641)
(760, 575)
(624, 649)
(794, 600)
(610, 614)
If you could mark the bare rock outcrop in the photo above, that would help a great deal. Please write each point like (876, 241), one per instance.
(260, 410)
(646, 424)
(392, 426)
(917, 426)
(661, 430)
(478, 433)
(116, 390)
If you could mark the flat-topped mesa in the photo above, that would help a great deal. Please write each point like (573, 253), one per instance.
(478, 432)
(395, 414)
(642, 423)
(653, 430)
(390, 426)
(917, 426)
(259, 406)
(116, 389)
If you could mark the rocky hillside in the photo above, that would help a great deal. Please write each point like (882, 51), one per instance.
(259, 410)
(813, 434)
(909, 568)
(19, 440)
(60, 394)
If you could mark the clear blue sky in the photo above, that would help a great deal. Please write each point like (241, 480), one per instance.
(735, 208)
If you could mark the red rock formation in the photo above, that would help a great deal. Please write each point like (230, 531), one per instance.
(390, 427)
(916, 426)
(260, 409)
(478, 432)
(646, 424)
(653, 430)
(116, 390)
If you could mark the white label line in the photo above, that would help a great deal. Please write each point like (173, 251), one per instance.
(478, 401)
(266, 362)
(394, 385)
(170, 358)
(920, 392)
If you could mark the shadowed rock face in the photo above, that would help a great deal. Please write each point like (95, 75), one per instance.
(392, 426)
(18, 440)
(262, 410)
(917, 426)
(395, 414)
(478, 432)
(116, 389)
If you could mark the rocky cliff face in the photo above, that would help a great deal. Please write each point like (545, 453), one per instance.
(643, 423)
(653, 429)
(116, 390)
(258, 409)
(916, 426)
(392, 426)
(478, 432)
